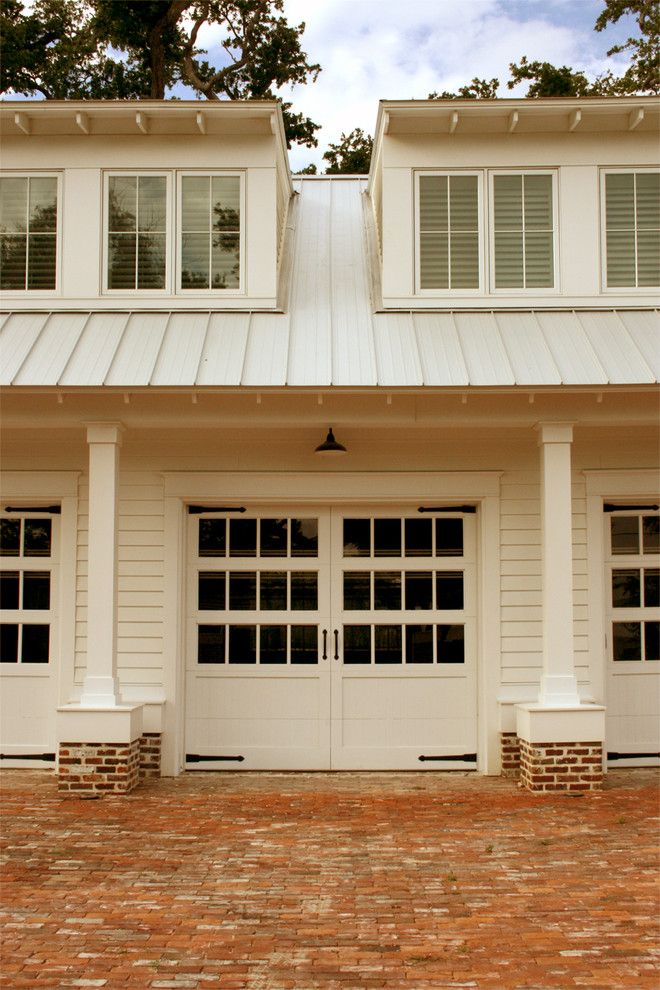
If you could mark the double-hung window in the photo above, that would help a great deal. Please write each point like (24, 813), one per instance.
(28, 232)
(449, 238)
(523, 226)
(210, 232)
(632, 229)
(137, 208)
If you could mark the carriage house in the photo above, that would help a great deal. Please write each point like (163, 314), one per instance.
(330, 473)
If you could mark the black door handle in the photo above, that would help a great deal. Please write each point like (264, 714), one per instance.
(336, 644)
(325, 644)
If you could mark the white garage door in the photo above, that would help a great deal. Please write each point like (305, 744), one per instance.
(331, 639)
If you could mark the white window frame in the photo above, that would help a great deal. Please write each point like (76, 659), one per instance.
(35, 293)
(453, 293)
(516, 290)
(105, 253)
(619, 289)
(228, 173)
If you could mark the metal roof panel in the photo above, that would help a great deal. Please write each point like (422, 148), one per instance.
(644, 328)
(267, 350)
(95, 349)
(483, 349)
(17, 338)
(571, 349)
(616, 351)
(440, 351)
(528, 353)
(181, 349)
(223, 354)
(52, 349)
(137, 353)
(397, 358)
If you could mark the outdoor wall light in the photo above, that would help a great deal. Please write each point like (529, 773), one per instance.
(330, 445)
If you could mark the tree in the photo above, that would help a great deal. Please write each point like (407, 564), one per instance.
(352, 156)
(479, 89)
(643, 76)
(549, 80)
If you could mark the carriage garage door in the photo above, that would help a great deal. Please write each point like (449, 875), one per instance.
(331, 639)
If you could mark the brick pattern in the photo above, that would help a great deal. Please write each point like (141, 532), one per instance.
(510, 754)
(150, 755)
(564, 766)
(92, 769)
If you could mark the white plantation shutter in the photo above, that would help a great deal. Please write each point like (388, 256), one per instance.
(28, 232)
(523, 234)
(137, 221)
(632, 225)
(648, 228)
(449, 231)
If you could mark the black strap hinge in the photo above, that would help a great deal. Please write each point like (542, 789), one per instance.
(454, 758)
(196, 510)
(54, 510)
(46, 757)
(197, 758)
(610, 507)
(447, 508)
(633, 756)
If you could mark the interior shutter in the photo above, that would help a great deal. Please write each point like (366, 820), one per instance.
(434, 231)
(620, 228)
(464, 231)
(539, 265)
(508, 219)
(648, 228)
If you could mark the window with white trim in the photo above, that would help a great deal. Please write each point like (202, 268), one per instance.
(28, 232)
(634, 586)
(136, 211)
(449, 238)
(27, 571)
(632, 229)
(210, 232)
(523, 230)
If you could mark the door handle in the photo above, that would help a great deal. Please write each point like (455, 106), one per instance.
(325, 644)
(336, 644)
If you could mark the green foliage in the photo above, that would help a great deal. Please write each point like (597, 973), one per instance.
(549, 80)
(352, 156)
(479, 89)
(310, 169)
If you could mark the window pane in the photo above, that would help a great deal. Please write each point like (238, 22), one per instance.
(387, 590)
(388, 644)
(211, 590)
(434, 261)
(419, 590)
(508, 202)
(151, 261)
(621, 257)
(625, 589)
(273, 536)
(463, 212)
(539, 263)
(210, 644)
(449, 590)
(225, 261)
(43, 204)
(36, 537)
(242, 644)
(13, 205)
(387, 537)
(449, 537)
(196, 201)
(122, 190)
(419, 644)
(8, 643)
(243, 590)
(357, 537)
(304, 591)
(10, 537)
(272, 595)
(651, 534)
(226, 193)
(36, 589)
(625, 534)
(34, 646)
(433, 202)
(242, 537)
(9, 584)
(652, 640)
(619, 201)
(304, 537)
(13, 261)
(509, 264)
(121, 261)
(419, 537)
(357, 590)
(272, 644)
(465, 261)
(41, 261)
(648, 257)
(212, 537)
(648, 200)
(626, 641)
(304, 644)
(357, 644)
(451, 644)
(152, 203)
(195, 261)
(651, 588)
(538, 202)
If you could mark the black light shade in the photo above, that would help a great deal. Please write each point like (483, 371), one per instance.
(330, 445)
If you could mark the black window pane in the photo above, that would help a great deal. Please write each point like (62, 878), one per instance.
(243, 590)
(451, 644)
(304, 644)
(273, 537)
(449, 537)
(419, 537)
(388, 644)
(357, 644)
(626, 589)
(8, 643)
(34, 647)
(651, 534)
(304, 591)
(212, 537)
(304, 537)
(10, 537)
(357, 537)
(625, 534)
(211, 591)
(419, 590)
(9, 582)
(272, 644)
(210, 644)
(419, 644)
(36, 589)
(272, 595)
(626, 641)
(449, 590)
(357, 590)
(242, 537)
(242, 644)
(36, 537)
(387, 537)
(652, 640)
(651, 588)
(387, 590)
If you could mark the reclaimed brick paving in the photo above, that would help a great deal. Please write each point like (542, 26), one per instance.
(341, 882)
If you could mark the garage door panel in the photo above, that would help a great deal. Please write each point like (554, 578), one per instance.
(448, 734)
(400, 697)
(256, 697)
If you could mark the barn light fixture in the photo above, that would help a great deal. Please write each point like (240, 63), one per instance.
(330, 445)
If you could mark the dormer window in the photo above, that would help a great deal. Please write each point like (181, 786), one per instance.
(28, 232)
(137, 232)
(448, 231)
(523, 230)
(210, 232)
(632, 229)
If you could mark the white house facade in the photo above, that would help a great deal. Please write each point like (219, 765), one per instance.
(465, 576)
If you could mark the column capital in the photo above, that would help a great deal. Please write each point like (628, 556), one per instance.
(105, 432)
(554, 432)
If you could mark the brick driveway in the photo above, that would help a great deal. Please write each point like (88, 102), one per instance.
(274, 881)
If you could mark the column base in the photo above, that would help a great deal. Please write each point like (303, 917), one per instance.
(561, 749)
(510, 754)
(90, 770)
(150, 748)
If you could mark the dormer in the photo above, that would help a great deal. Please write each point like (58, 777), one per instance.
(176, 204)
(506, 204)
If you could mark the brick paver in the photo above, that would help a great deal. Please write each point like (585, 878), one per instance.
(341, 882)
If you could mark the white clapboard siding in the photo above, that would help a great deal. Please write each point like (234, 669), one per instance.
(520, 579)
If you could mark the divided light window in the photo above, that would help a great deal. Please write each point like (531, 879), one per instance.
(28, 232)
(449, 231)
(137, 232)
(210, 232)
(523, 231)
(632, 229)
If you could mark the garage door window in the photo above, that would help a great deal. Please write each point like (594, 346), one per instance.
(635, 587)
(26, 593)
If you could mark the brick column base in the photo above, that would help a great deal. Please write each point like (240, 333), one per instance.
(563, 766)
(149, 755)
(510, 754)
(93, 769)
